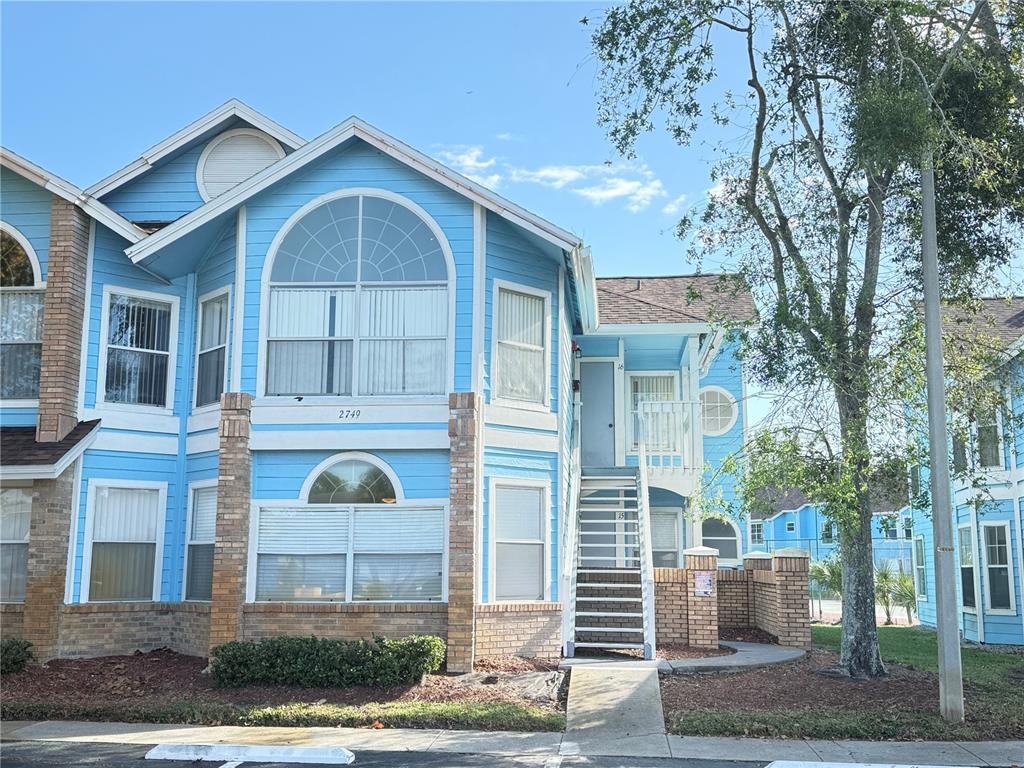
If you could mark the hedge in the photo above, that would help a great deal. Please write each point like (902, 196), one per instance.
(313, 662)
(14, 654)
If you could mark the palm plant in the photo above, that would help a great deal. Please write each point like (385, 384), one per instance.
(885, 585)
(905, 595)
(827, 575)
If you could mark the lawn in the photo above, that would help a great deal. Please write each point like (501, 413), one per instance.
(166, 687)
(796, 701)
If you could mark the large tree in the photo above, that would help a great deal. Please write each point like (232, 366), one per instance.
(825, 110)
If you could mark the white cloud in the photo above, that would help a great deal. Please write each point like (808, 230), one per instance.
(471, 161)
(674, 206)
(555, 176)
(633, 182)
(638, 193)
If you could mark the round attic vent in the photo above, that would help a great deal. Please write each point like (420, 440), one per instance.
(232, 157)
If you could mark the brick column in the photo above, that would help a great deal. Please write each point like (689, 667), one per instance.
(793, 597)
(702, 611)
(754, 561)
(464, 502)
(63, 313)
(47, 562)
(234, 495)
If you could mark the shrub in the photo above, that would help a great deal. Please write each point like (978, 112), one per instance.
(14, 654)
(312, 662)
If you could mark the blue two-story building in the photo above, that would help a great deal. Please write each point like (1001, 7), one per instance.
(254, 384)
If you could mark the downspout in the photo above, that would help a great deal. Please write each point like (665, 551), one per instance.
(185, 363)
(979, 603)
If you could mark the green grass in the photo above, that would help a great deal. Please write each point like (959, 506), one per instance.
(417, 714)
(995, 704)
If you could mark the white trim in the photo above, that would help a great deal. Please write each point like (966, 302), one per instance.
(914, 565)
(627, 415)
(750, 534)
(732, 400)
(518, 417)
(369, 458)
(1010, 575)
(216, 293)
(238, 327)
(192, 488)
(49, 471)
(203, 419)
(172, 352)
(210, 121)
(115, 416)
(651, 329)
(107, 440)
(212, 144)
(479, 294)
(83, 370)
(354, 128)
(519, 482)
(202, 443)
(527, 441)
(973, 566)
(76, 508)
(497, 286)
(372, 410)
(268, 266)
(90, 518)
(67, 191)
(33, 259)
(348, 439)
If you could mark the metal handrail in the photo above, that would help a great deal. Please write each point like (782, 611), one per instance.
(646, 554)
(570, 539)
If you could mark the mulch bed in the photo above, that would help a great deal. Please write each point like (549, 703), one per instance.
(515, 664)
(799, 685)
(745, 635)
(164, 676)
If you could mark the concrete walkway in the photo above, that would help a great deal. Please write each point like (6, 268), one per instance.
(614, 711)
(748, 655)
(546, 745)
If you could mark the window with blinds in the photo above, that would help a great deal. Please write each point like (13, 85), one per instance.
(665, 537)
(21, 322)
(920, 579)
(662, 429)
(520, 355)
(212, 349)
(15, 516)
(519, 542)
(123, 541)
(350, 554)
(965, 548)
(138, 347)
(999, 591)
(201, 535)
(358, 304)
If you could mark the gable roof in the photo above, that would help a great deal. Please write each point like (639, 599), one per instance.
(351, 128)
(68, 191)
(1000, 319)
(25, 459)
(772, 501)
(675, 299)
(228, 112)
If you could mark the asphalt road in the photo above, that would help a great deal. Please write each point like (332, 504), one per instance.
(53, 754)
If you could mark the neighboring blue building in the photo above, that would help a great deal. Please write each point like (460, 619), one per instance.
(987, 520)
(347, 288)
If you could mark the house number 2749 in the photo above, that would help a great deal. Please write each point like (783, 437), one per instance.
(348, 414)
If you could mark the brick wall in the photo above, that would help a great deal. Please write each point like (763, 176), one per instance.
(47, 562)
(702, 610)
(782, 597)
(234, 495)
(109, 629)
(63, 313)
(519, 629)
(734, 599)
(346, 621)
(463, 489)
(670, 622)
(11, 619)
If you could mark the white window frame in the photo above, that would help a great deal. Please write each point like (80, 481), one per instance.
(735, 409)
(518, 482)
(262, 354)
(829, 526)
(760, 526)
(507, 285)
(95, 484)
(258, 505)
(1012, 610)
(921, 565)
(192, 488)
(790, 526)
(210, 296)
(172, 353)
(330, 461)
(1001, 447)
(974, 568)
(680, 534)
(729, 561)
(38, 285)
(25, 485)
(631, 439)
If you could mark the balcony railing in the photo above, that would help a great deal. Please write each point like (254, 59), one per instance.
(666, 429)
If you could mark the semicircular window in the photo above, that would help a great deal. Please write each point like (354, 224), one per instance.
(21, 322)
(358, 303)
(352, 481)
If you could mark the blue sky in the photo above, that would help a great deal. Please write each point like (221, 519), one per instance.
(503, 92)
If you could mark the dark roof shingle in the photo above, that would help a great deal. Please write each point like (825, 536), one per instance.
(675, 299)
(18, 446)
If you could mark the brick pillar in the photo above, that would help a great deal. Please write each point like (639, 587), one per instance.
(702, 610)
(63, 313)
(47, 562)
(234, 495)
(464, 501)
(793, 596)
(754, 561)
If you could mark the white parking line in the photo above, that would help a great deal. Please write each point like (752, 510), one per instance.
(235, 754)
(807, 764)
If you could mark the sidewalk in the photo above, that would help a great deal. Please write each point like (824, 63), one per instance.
(984, 753)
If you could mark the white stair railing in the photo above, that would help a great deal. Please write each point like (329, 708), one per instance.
(570, 545)
(646, 555)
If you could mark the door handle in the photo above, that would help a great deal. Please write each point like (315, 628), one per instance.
(611, 426)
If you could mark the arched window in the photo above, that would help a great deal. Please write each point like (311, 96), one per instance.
(352, 481)
(723, 536)
(21, 317)
(358, 301)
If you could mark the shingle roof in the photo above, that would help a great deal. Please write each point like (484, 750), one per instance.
(997, 319)
(18, 446)
(773, 499)
(675, 299)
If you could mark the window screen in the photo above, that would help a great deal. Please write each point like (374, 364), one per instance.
(519, 513)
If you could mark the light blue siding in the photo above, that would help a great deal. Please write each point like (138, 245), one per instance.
(164, 193)
(725, 372)
(26, 207)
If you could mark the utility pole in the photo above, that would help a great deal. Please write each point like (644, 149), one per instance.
(951, 686)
